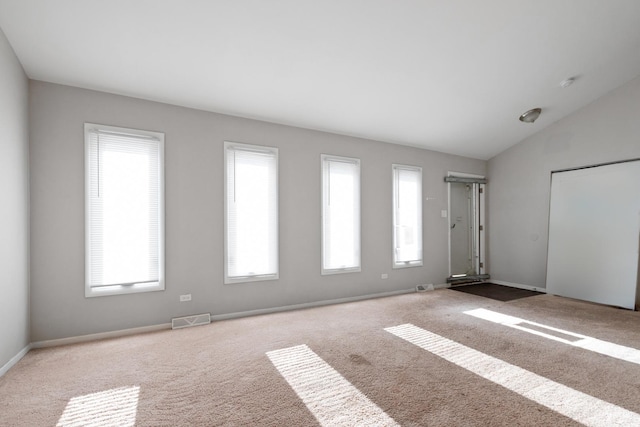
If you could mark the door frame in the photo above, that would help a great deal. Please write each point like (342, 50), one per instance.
(479, 215)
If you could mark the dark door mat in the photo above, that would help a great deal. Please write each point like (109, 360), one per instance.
(497, 292)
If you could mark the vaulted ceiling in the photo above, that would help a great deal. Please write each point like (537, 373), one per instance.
(447, 75)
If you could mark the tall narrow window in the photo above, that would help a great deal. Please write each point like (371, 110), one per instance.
(407, 216)
(124, 188)
(251, 215)
(340, 214)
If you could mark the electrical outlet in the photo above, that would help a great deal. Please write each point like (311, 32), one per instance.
(384, 276)
(185, 297)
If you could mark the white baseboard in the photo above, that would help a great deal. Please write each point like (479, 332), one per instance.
(100, 336)
(307, 305)
(518, 285)
(15, 359)
(152, 328)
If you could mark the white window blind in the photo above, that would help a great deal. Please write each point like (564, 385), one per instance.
(407, 216)
(340, 214)
(251, 213)
(124, 210)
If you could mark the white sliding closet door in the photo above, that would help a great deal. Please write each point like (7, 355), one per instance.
(594, 232)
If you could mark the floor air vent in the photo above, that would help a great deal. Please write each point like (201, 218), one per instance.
(187, 321)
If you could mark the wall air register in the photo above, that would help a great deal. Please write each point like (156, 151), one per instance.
(187, 321)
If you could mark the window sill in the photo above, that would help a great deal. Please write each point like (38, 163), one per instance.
(341, 271)
(123, 290)
(407, 265)
(247, 279)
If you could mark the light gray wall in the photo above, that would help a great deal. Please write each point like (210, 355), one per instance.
(194, 213)
(520, 179)
(14, 205)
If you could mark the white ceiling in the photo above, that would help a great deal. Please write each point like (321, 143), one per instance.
(448, 75)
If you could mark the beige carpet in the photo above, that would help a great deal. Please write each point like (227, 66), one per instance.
(220, 374)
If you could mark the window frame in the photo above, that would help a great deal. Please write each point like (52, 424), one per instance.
(405, 264)
(358, 268)
(258, 277)
(123, 289)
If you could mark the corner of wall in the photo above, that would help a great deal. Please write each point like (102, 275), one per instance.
(14, 221)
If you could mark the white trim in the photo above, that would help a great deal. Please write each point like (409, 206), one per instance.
(308, 305)
(407, 264)
(482, 223)
(394, 193)
(15, 359)
(167, 326)
(480, 216)
(340, 271)
(518, 285)
(100, 336)
(435, 287)
(349, 160)
(89, 291)
(264, 149)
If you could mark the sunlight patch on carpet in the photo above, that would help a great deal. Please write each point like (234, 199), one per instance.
(115, 407)
(574, 404)
(332, 399)
(617, 351)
